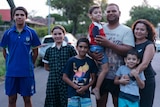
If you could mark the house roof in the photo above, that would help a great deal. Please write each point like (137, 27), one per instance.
(5, 13)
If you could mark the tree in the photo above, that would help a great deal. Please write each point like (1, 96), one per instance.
(144, 12)
(72, 10)
(58, 17)
(1, 22)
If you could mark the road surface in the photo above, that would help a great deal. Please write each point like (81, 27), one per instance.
(41, 79)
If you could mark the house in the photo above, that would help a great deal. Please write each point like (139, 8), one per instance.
(5, 14)
(6, 17)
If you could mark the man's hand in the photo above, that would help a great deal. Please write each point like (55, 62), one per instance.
(102, 40)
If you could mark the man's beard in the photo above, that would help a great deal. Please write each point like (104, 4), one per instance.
(113, 21)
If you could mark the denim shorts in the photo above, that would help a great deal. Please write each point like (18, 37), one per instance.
(77, 101)
(99, 49)
(20, 85)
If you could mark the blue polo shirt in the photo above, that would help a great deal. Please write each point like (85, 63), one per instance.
(19, 46)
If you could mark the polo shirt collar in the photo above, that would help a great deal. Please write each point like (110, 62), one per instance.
(24, 28)
(64, 43)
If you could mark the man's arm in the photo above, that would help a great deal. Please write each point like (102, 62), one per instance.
(119, 49)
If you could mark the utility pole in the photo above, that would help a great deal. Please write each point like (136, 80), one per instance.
(12, 6)
(49, 18)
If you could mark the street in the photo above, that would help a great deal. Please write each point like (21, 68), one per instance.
(41, 79)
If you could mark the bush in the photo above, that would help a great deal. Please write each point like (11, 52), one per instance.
(41, 31)
(2, 65)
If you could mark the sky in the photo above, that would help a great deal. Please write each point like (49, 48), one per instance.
(41, 9)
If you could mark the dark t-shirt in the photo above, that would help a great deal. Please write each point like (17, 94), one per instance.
(148, 72)
(78, 71)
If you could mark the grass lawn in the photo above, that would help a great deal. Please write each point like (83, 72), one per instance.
(2, 64)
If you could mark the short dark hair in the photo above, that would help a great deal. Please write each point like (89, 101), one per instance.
(132, 52)
(83, 39)
(20, 8)
(91, 9)
(113, 4)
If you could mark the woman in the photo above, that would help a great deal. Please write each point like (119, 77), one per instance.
(145, 34)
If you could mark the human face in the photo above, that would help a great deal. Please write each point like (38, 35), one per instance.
(96, 15)
(20, 17)
(112, 14)
(58, 36)
(131, 61)
(82, 49)
(140, 32)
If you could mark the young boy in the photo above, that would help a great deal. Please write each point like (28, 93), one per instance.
(130, 81)
(79, 74)
(95, 28)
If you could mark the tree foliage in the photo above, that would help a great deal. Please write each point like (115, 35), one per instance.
(144, 12)
(41, 31)
(73, 10)
(1, 22)
(58, 17)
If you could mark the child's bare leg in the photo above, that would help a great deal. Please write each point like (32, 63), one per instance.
(96, 90)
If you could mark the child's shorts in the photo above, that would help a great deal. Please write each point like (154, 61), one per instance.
(100, 49)
(78, 101)
(22, 85)
(126, 103)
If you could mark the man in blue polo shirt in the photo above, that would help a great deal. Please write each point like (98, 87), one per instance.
(20, 49)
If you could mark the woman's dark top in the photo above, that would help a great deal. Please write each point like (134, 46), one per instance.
(149, 71)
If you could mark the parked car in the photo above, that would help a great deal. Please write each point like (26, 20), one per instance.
(157, 44)
(69, 38)
(47, 41)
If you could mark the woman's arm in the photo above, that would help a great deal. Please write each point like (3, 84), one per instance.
(140, 82)
(147, 57)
